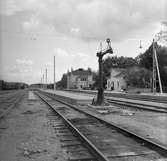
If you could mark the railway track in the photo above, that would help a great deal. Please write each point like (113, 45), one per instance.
(151, 98)
(6, 96)
(134, 104)
(159, 99)
(104, 140)
(4, 92)
(145, 104)
(9, 101)
(75, 143)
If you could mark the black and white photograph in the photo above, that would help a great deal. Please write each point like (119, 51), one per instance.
(83, 80)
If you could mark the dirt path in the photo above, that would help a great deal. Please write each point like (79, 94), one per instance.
(26, 134)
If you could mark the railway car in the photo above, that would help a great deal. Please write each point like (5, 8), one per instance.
(12, 85)
(9, 86)
(1, 84)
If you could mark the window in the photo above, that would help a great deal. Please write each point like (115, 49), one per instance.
(83, 79)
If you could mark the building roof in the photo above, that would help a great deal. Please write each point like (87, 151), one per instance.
(118, 72)
(81, 72)
(123, 71)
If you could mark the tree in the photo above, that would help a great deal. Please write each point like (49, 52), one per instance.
(117, 62)
(145, 60)
(138, 77)
(62, 84)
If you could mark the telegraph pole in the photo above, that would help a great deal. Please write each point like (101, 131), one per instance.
(54, 75)
(156, 68)
(46, 78)
(161, 36)
(41, 82)
(100, 96)
(154, 71)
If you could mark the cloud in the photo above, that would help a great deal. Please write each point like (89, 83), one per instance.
(22, 69)
(10, 7)
(35, 25)
(82, 56)
(75, 30)
(32, 23)
(24, 62)
(65, 60)
(62, 53)
(48, 64)
(18, 70)
(89, 19)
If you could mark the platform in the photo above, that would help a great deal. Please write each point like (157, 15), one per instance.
(80, 98)
(131, 98)
(74, 98)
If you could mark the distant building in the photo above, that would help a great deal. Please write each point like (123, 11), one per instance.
(1, 84)
(80, 79)
(116, 80)
(37, 85)
(12, 85)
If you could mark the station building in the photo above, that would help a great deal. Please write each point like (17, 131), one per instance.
(80, 79)
(117, 81)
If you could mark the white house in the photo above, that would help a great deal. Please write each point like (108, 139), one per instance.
(116, 80)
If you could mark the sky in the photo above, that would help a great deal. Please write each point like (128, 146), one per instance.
(32, 32)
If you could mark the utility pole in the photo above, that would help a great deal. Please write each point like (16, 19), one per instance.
(54, 75)
(46, 78)
(162, 37)
(100, 96)
(43, 81)
(154, 71)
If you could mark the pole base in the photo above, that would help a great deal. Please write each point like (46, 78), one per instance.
(99, 101)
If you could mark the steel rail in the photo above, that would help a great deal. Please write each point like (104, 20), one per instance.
(152, 98)
(8, 98)
(7, 92)
(159, 148)
(149, 98)
(138, 105)
(143, 106)
(3, 114)
(86, 142)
